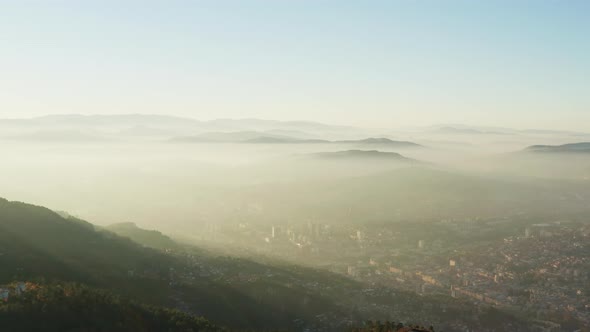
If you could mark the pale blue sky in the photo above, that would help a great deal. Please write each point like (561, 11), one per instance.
(373, 63)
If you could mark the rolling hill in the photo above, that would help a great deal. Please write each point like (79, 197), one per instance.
(583, 147)
(362, 155)
(381, 141)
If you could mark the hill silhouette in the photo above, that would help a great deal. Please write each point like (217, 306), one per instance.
(582, 147)
(255, 137)
(148, 238)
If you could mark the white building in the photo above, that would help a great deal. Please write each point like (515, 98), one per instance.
(421, 244)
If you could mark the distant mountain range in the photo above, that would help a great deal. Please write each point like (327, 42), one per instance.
(252, 137)
(77, 127)
(583, 147)
(57, 136)
(160, 121)
(458, 129)
(470, 131)
(136, 126)
(116, 129)
(102, 120)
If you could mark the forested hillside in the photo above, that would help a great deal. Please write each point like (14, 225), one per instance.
(70, 307)
(37, 244)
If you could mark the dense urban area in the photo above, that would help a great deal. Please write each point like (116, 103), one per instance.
(519, 265)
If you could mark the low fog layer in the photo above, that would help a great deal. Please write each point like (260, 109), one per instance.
(181, 175)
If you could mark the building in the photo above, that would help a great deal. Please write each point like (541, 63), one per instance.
(21, 287)
(4, 294)
(421, 244)
(352, 271)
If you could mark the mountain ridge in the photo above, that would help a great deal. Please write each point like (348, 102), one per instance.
(580, 147)
(254, 137)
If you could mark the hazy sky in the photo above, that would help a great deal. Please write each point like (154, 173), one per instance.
(375, 63)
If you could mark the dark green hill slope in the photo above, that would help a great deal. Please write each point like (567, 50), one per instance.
(148, 238)
(37, 243)
(582, 147)
(73, 307)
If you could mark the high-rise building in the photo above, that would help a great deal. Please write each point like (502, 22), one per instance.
(421, 244)
(351, 271)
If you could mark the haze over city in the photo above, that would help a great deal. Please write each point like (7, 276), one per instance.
(310, 166)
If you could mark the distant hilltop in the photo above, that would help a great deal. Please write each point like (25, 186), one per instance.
(382, 141)
(582, 147)
(363, 155)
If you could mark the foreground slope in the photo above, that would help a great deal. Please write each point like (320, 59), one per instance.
(36, 243)
(74, 307)
(148, 238)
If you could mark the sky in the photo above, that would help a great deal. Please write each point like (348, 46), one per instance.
(516, 63)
